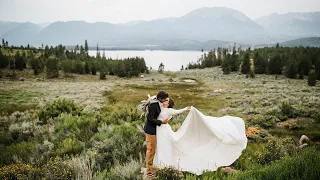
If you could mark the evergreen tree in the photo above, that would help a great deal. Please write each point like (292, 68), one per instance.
(86, 68)
(219, 61)
(104, 55)
(214, 58)
(182, 68)
(98, 56)
(260, 65)
(52, 69)
(93, 69)
(246, 65)
(275, 65)
(77, 49)
(82, 51)
(305, 63)
(226, 65)
(235, 63)
(291, 70)
(86, 48)
(3, 43)
(36, 64)
(46, 52)
(317, 66)
(20, 62)
(161, 68)
(312, 78)
(4, 60)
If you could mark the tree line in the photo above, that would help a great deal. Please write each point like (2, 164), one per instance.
(51, 60)
(296, 62)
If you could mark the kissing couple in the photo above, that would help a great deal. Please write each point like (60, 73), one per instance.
(202, 143)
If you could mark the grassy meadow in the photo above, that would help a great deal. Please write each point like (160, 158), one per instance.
(79, 127)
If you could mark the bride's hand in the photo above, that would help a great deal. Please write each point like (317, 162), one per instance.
(189, 108)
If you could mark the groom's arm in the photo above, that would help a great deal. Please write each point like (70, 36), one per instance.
(152, 110)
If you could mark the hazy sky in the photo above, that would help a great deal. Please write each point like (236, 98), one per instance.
(119, 11)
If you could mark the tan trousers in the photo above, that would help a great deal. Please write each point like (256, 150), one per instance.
(151, 150)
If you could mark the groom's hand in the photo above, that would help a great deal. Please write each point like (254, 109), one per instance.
(165, 121)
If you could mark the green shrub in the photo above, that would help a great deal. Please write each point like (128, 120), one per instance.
(266, 121)
(312, 78)
(70, 145)
(82, 127)
(55, 108)
(20, 171)
(124, 142)
(304, 166)
(102, 75)
(120, 114)
(128, 171)
(20, 152)
(287, 111)
(169, 173)
(52, 68)
(58, 169)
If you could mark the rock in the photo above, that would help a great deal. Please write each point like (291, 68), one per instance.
(142, 76)
(228, 170)
(189, 81)
(302, 139)
(21, 79)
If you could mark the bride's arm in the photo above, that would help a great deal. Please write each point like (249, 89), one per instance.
(179, 111)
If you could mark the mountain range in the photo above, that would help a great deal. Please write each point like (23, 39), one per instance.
(203, 28)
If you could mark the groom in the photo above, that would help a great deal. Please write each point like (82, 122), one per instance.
(150, 127)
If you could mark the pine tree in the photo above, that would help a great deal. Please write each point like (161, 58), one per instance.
(4, 60)
(234, 64)
(291, 70)
(86, 68)
(246, 65)
(226, 66)
(20, 62)
(317, 66)
(161, 68)
(260, 65)
(93, 69)
(98, 56)
(275, 65)
(86, 48)
(219, 61)
(82, 51)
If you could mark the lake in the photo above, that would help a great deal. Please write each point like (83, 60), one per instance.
(172, 60)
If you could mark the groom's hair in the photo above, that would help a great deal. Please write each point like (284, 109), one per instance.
(171, 103)
(162, 95)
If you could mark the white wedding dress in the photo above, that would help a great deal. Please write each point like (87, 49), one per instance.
(202, 142)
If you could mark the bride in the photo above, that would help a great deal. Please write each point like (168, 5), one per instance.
(201, 143)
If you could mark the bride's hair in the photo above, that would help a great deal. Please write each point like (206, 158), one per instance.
(171, 103)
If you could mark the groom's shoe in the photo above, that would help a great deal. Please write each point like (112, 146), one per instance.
(151, 175)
